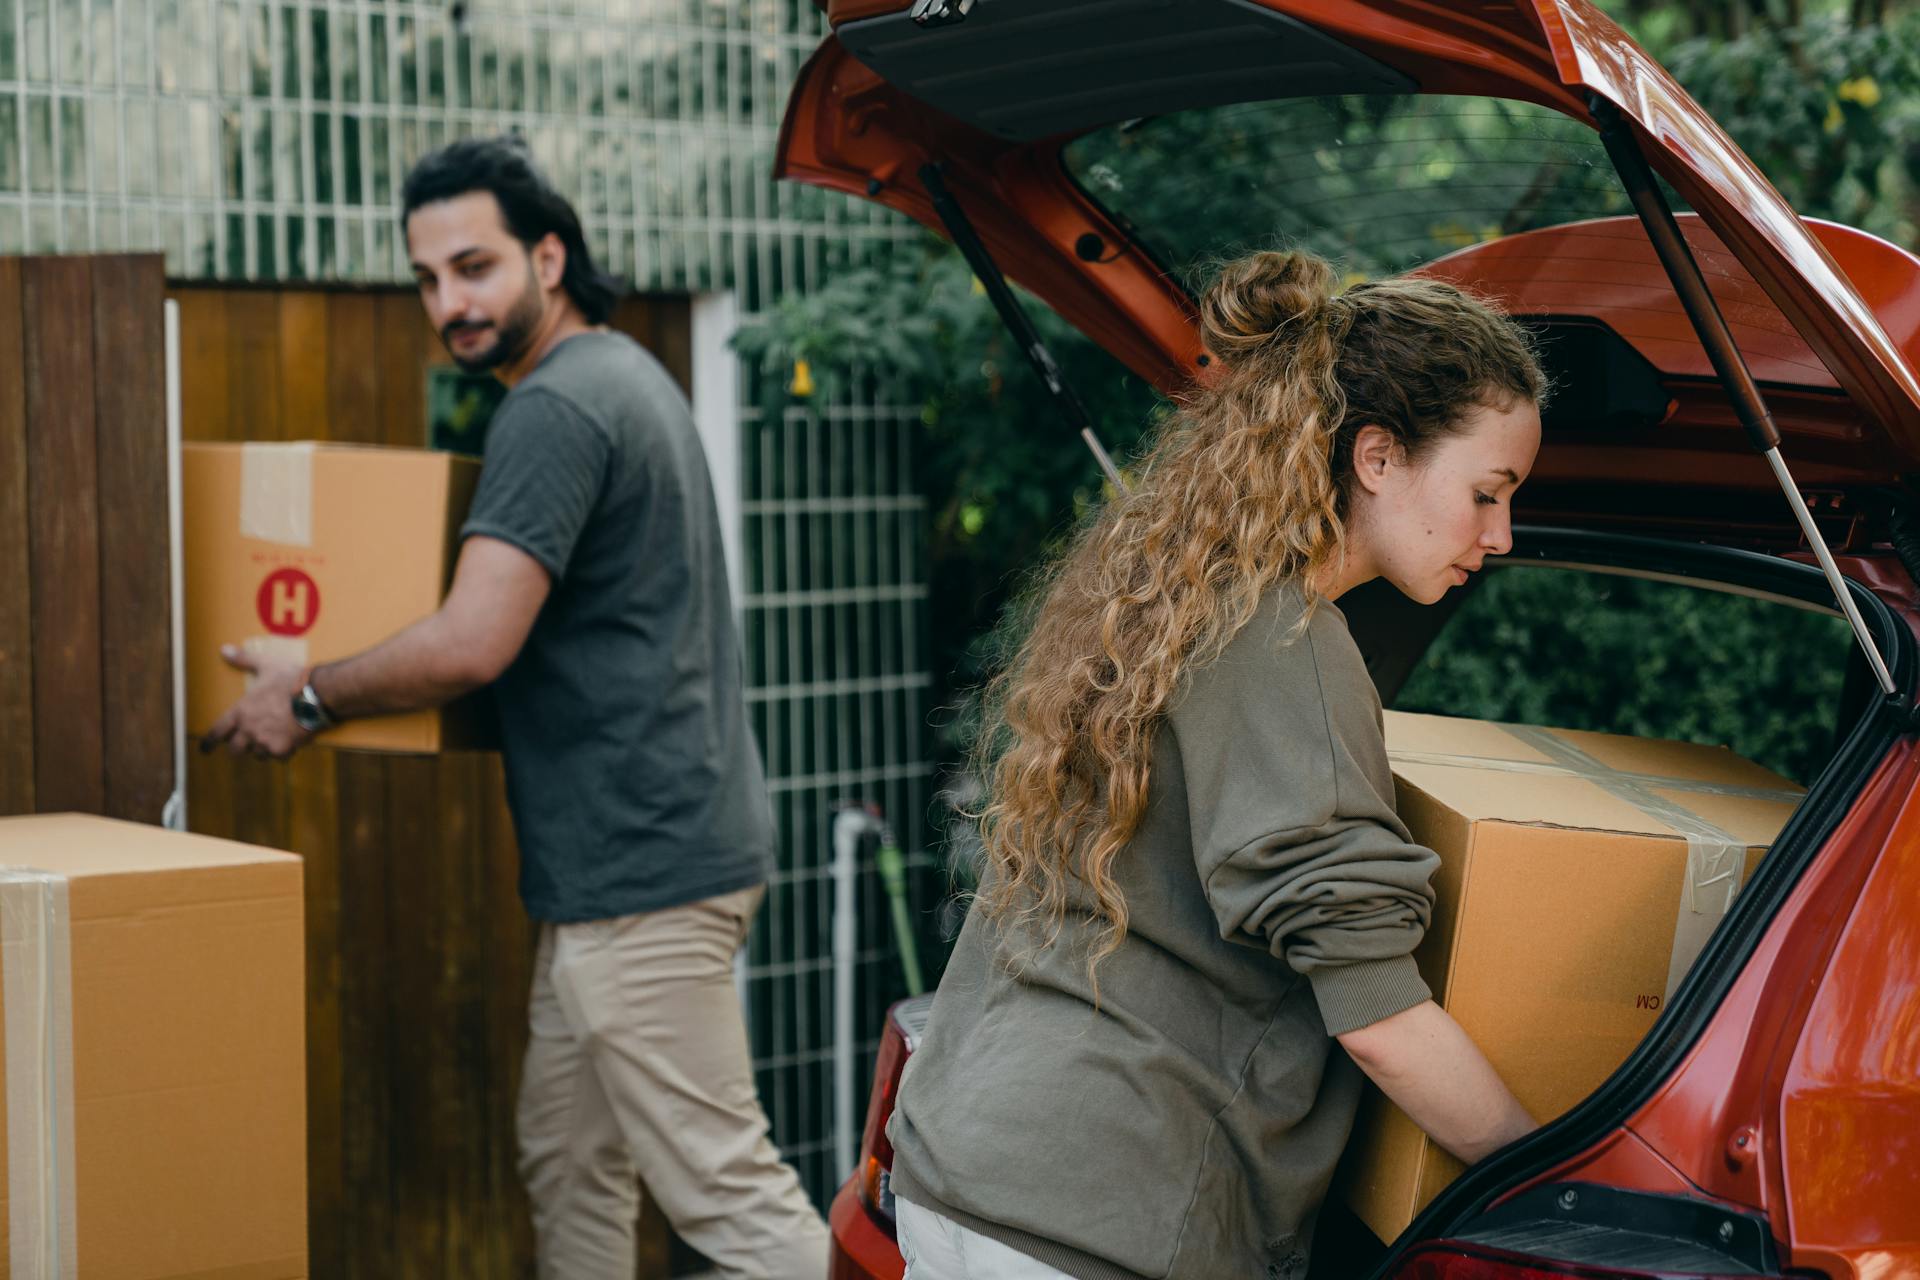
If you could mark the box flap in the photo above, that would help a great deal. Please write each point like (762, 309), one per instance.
(1689, 761)
(1481, 793)
(78, 844)
(314, 446)
(1487, 771)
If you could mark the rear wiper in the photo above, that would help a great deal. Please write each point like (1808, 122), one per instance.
(1656, 215)
(967, 240)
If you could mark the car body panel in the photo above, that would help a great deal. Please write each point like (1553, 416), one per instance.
(1850, 1104)
(862, 1249)
(1714, 1128)
(1605, 270)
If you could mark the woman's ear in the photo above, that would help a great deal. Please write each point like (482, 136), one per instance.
(1375, 453)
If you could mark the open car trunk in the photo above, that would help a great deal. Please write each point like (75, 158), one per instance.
(1101, 149)
(1513, 1200)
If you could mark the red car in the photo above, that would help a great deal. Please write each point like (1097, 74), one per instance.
(1736, 410)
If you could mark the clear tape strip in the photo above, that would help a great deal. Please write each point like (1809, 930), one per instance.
(38, 985)
(276, 493)
(1784, 794)
(1716, 860)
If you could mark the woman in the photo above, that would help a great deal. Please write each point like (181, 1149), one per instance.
(1196, 880)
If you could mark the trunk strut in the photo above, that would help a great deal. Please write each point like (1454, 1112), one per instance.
(1015, 318)
(1664, 232)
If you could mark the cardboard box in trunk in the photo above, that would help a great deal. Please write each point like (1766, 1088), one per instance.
(1580, 874)
(312, 552)
(154, 1054)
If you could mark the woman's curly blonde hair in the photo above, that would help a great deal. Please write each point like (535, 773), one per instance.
(1245, 487)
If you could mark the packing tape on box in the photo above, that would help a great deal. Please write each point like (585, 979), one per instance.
(1716, 859)
(36, 955)
(276, 493)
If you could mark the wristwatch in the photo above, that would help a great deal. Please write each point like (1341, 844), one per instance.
(309, 712)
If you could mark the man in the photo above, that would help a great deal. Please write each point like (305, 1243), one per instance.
(591, 594)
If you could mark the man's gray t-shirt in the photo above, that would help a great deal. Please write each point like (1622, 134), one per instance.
(634, 781)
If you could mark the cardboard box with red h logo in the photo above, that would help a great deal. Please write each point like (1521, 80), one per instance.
(313, 552)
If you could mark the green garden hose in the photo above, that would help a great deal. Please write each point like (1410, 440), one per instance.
(893, 873)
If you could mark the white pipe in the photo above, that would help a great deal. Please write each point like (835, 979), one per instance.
(740, 985)
(174, 815)
(850, 825)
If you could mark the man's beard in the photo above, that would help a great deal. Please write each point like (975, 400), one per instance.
(513, 334)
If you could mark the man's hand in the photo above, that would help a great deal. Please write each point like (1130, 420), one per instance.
(262, 722)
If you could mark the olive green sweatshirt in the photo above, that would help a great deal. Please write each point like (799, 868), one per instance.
(1188, 1125)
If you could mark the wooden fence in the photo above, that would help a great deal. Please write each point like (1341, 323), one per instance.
(418, 952)
(83, 539)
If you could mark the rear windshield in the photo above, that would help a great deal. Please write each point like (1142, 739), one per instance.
(1378, 184)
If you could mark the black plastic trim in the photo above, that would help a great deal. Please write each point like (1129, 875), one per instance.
(1029, 69)
(1463, 1205)
(1600, 1226)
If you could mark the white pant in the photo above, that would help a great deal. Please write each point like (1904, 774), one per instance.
(938, 1248)
(638, 1072)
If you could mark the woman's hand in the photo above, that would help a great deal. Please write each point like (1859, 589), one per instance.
(1422, 1060)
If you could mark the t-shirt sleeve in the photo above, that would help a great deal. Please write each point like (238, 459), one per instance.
(1294, 831)
(545, 468)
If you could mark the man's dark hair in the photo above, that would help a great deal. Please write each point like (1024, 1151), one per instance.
(502, 167)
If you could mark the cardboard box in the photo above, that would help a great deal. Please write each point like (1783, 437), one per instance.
(154, 1054)
(1569, 903)
(313, 552)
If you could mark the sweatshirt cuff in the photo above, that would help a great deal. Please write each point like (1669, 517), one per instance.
(1352, 996)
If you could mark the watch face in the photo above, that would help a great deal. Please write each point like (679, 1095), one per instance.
(306, 715)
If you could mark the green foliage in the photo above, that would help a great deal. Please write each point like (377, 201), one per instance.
(1003, 473)
(1376, 184)
(1582, 650)
(1830, 112)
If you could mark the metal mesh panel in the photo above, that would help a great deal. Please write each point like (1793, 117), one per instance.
(267, 141)
(836, 594)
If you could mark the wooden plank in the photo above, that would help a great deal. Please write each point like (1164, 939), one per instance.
(673, 338)
(16, 589)
(508, 982)
(418, 942)
(260, 802)
(130, 413)
(402, 408)
(63, 536)
(253, 366)
(459, 1078)
(303, 334)
(313, 831)
(206, 410)
(368, 1047)
(210, 793)
(353, 375)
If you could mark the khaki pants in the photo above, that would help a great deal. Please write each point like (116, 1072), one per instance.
(638, 1073)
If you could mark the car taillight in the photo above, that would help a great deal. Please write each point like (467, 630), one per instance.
(1449, 1260)
(876, 1153)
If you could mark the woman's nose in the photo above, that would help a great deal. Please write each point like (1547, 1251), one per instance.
(1497, 537)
